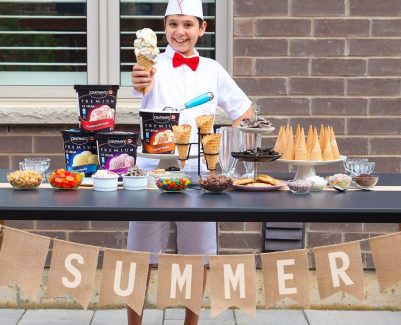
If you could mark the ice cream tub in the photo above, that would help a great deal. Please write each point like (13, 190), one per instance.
(80, 151)
(116, 150)
(157, 136)
(97, 106)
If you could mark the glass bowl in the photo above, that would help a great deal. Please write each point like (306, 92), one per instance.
(366, 180)
(358, 166)
(215, 184)
(341, 181)
(24, 179)
(62, 179)
(300, 186)
(172, 184)
(40, 165)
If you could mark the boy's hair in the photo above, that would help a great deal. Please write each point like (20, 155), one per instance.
(200, 20)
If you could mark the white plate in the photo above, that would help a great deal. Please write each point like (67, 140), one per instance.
(310, 162)
(258, 130)
(88, 181)
(192, 154)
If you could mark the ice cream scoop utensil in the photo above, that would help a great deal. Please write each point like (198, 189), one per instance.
(199, 100)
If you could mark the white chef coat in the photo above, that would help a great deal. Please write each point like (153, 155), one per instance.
(175, 86)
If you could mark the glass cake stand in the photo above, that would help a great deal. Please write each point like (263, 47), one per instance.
(306, 168)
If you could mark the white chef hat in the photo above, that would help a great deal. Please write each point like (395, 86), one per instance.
(185, 7)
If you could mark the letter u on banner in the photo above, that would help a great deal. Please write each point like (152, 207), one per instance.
(339, 268)
(180, 281)
(72, 271)
(286, 274)
(22, 259)
(124, 278)
(232, 283)
(386, 253)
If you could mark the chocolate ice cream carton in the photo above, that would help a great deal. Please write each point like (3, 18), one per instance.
(116, 150)
(80, 151)
(97, 107)
(157, 135)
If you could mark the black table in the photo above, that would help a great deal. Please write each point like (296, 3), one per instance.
(193, 205)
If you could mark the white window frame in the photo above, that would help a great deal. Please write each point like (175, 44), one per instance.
(103, 17)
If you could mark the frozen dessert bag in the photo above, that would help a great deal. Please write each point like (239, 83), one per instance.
(80, 151)
(117, 150)
(97, 106)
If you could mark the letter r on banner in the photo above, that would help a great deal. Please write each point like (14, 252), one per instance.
(337, 273)
(181, 280)
(230, 278)
(73, 270)
(131, 279)
(282, 277)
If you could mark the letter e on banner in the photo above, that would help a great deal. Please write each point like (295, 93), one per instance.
(282, 277)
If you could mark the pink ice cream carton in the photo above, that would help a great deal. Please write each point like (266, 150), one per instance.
(117, 150)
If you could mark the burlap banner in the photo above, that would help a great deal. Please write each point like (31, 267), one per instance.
(72, 271)
(124, 278)
(286, 274)
(386, 253)
(180, 281)
(233, 283)
(339, 268)
(22, 260)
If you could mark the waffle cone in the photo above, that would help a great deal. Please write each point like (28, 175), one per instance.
(211, 162)
(205, 123)
(211, 143)
(143, 61)
(182, 136)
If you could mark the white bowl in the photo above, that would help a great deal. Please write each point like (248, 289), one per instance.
(135, 183)
(103, 184)
(319, 183)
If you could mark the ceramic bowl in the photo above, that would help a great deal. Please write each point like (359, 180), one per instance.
(135, 183)
(103, 184)
(366, 180)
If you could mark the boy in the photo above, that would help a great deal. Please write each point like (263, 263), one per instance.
(180, 75)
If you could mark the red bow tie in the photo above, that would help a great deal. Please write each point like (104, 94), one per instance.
(179, 59)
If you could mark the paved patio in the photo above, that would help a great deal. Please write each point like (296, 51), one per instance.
(175, 317)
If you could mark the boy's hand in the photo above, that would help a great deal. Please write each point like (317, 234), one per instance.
(141, 79)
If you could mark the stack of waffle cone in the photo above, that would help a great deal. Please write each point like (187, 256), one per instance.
(211, 148)
(205, 123)
(144, 62)
(182, 136)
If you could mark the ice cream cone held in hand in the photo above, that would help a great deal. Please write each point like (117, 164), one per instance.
(211, 147)
(146, 50)
(182, 135)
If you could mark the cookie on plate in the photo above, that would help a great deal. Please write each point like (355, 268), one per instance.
(267, 179)
(243, 181)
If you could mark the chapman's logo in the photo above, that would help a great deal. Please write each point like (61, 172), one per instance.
(98, 93)
(79, 140)
(161, 118)
(116, 143)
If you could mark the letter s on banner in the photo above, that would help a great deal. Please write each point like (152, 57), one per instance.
(73, 270)
(229, 277)
(337, 273)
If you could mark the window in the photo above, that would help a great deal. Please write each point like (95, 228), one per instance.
(48, 46)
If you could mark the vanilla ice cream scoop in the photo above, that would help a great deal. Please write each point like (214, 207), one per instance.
(146, 44)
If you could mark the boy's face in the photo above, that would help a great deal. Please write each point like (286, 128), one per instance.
(182, 33)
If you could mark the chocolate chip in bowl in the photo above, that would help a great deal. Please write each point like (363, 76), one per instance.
(215, 184)
(366, 181)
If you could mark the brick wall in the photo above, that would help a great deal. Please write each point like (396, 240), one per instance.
(302, 61)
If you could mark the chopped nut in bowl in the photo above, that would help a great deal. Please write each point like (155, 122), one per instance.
(24, 179)
(215, 184)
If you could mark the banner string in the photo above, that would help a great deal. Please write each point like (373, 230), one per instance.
(310, 249)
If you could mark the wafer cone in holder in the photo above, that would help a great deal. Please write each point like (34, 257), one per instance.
(143, 61)
(211, 147)
(182, 136)
(205, 123)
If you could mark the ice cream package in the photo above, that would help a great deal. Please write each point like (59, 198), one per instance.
(97, 107)
(157, 136)
(117, 150)
(80, 151)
